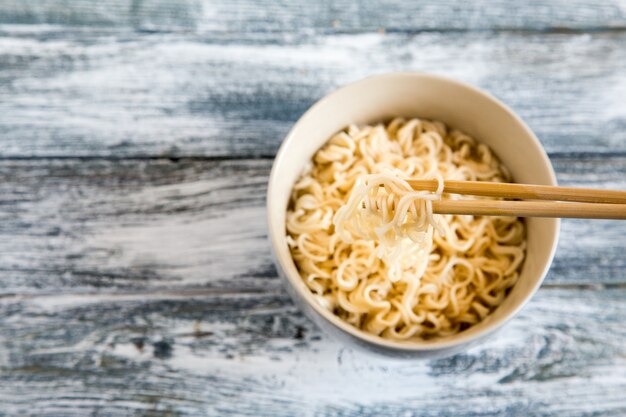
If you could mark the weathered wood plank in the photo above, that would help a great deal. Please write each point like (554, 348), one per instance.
(254, 354)
(119, 93)
(71, 225)
(85, 225)
(325, 15)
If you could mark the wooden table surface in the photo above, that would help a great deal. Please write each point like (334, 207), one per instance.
(136, 138)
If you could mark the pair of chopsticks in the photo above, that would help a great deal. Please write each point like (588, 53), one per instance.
(565, 202)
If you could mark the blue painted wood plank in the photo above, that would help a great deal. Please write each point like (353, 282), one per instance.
(126, 94)
(210, 353)
(79, 226)
(302, 16)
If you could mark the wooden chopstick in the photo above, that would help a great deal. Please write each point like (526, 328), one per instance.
(523, 191)
(566, 202)
(531, 209)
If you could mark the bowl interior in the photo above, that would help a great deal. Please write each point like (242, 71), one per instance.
(381, 98)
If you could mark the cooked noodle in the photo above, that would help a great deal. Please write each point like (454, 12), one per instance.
(369, 247)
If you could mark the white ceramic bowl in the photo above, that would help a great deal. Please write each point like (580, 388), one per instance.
(380, 98)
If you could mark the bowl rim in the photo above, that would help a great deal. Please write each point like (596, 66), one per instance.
(407, 346)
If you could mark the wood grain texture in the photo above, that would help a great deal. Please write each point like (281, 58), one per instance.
(254, 354)
(85, 92)
(76, 225)
(325, 15)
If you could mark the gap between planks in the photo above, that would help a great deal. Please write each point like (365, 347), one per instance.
(202, 292)
(583, 155)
